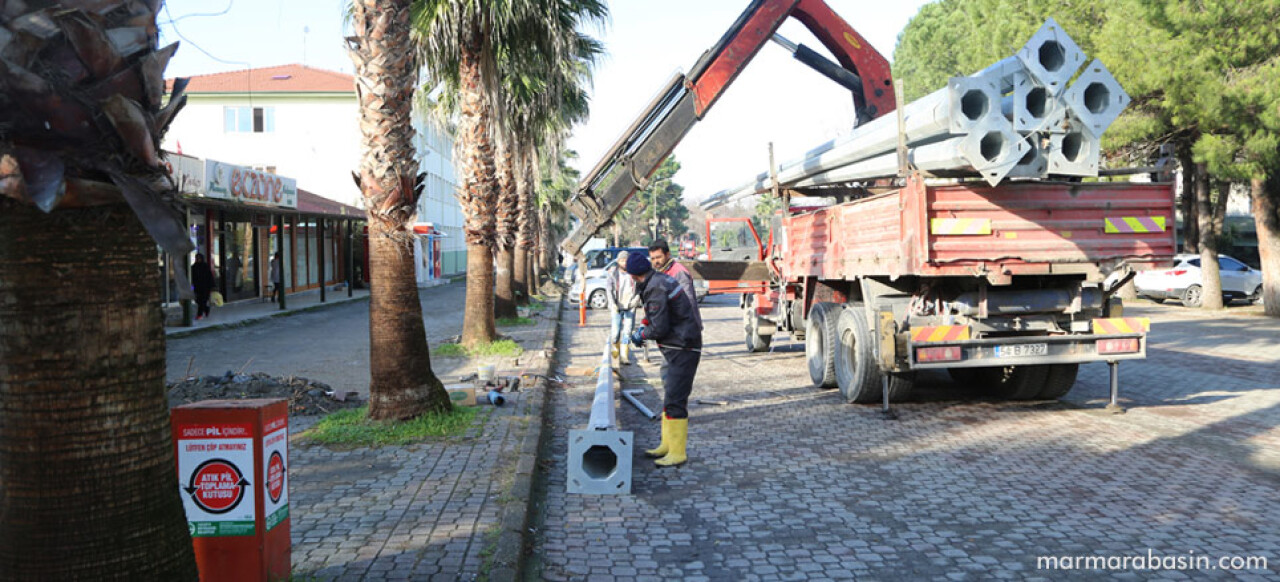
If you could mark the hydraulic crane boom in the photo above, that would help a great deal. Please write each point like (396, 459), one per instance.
(685, 99)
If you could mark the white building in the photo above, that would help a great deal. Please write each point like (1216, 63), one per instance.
(303, 122)
(442, 248)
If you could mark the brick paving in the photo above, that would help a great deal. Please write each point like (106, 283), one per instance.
(417, 512)
(787, 482)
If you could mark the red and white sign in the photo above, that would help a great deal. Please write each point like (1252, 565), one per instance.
(275, 472)
(247, 185)
(215, 474)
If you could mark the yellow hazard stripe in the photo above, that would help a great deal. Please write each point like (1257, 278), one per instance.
(1117, 325)
(1134, 224)
(940, 333)
(960, 226)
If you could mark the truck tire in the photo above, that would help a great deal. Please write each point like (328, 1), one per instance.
(751, 323)
(857, 373)
(1061, 378)
(820, 344)
(1015, 382)
(797, 320)
(966, 376)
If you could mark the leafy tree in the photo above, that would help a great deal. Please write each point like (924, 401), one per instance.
(658, 211)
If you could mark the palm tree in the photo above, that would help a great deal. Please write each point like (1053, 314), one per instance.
(87, 470)
(462, 41)
(559, 182)
(402, 384)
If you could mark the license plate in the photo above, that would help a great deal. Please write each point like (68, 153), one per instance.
(1022, 350)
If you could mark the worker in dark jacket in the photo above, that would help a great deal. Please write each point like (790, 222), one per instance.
(673, 325)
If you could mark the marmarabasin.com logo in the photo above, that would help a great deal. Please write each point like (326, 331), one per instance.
(1151, 561)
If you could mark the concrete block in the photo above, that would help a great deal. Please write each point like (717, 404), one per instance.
(600, 462)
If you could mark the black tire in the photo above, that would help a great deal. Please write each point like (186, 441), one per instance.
(857, 373)
(1058, 382)
(751, 324)
(597, 300)
(1015, 382)
(797, 322)
(1193, 296)
(820, 344)
(1256, 295)
(965, 376)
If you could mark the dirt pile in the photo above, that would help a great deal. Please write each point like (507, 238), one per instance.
(306, 397)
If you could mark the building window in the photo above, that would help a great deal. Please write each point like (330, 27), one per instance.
(249, 119)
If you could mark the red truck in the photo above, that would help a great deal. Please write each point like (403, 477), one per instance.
(1011, 287)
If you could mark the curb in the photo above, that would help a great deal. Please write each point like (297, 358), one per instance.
(257, 320)
(509, 555)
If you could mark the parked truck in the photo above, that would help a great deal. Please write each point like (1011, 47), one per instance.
(1011, 287)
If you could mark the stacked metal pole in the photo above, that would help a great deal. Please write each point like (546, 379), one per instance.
(1015, 119)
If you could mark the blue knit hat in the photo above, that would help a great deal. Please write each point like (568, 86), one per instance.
(638, 264)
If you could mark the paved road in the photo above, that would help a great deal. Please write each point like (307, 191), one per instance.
(788, 482)
(330, 345)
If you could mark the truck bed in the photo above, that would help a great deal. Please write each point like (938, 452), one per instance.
(1018, 228)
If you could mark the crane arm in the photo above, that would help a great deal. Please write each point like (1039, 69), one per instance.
(685, 99)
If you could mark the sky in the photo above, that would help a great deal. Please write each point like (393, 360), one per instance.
(776, 99)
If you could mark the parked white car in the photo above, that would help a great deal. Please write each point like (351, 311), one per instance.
(1183, 283)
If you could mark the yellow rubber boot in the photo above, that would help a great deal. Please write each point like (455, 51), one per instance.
(676, 437)
(661, 451)
(614, 352)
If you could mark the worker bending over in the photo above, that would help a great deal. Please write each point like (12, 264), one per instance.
(671, 322)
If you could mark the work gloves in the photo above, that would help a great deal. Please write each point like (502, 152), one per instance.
(637, 337)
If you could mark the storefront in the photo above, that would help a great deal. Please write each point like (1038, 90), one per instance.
(241, 217)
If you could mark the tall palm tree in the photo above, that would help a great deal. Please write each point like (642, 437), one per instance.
(461, 42)
(559, 182)
(402, 384)
(87, 473)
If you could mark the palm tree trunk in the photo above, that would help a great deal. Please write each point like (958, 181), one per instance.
(87, 470)
(477, 318)
(524, 228)
(1266, 214)
(401, 382)
(477, 196)
(504, 296)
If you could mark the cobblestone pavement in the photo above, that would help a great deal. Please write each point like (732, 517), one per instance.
(787, 482)
(418, 512)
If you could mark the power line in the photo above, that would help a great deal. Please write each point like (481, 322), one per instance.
(172, 22)
(194, 14)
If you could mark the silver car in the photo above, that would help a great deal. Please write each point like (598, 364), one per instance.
(1183, 281)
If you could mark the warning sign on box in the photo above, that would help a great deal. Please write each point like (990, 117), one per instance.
(275, 454)
(215, 464)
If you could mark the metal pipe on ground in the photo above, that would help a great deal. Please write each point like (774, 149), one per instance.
(600, 455)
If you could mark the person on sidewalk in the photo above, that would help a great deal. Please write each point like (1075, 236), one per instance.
(276, 277)
(623, 301)
(203, 282)
(671, 322)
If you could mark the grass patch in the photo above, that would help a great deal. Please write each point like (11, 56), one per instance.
(486, 554)
(511, 321)
(498, 348)
(450, 351)
(536, 303)
(353, 427)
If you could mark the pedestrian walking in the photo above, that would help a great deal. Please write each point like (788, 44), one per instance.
(671, 321)
(623, 301)
(275, 274)
(202, 282)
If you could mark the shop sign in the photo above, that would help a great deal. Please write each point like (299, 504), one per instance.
(249, 186)
(215, 464)
(187, 173)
